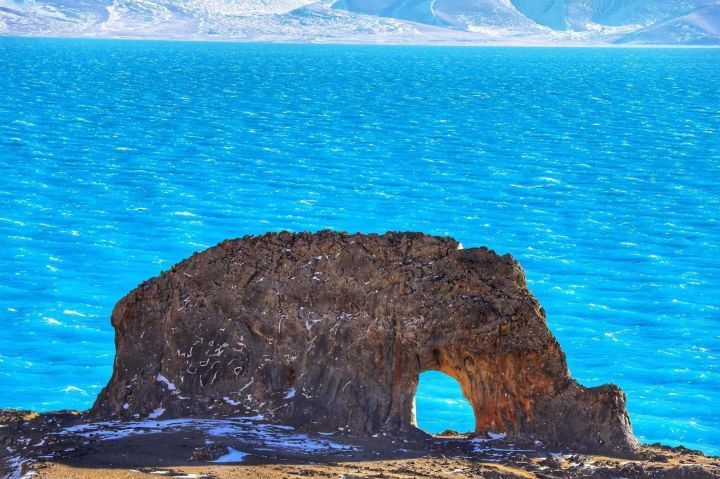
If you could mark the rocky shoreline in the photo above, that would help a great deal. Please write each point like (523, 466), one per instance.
(299, 355)
(71, 445)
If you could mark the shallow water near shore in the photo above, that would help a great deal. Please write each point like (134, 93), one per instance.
(596, 169)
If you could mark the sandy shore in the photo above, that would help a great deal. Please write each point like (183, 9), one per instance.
(423, 467)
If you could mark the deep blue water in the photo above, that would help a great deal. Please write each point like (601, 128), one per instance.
(597, 169)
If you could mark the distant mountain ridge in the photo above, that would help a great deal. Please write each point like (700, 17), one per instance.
(536, 22)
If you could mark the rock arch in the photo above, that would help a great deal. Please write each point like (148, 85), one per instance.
(330, 330)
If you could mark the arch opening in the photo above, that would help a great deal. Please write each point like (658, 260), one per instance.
(440, 405)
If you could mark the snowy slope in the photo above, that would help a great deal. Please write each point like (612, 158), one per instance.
(470, 15)
(582, 15)
(261, 20)
(700, 26)
(399, 21)
(628, 12)
(641, 21)
(551, 13)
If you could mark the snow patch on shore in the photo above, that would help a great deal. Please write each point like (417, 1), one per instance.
(246, 429)
(232, 456)
(16, 464)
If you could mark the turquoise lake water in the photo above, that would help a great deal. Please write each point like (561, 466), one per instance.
(596, 168)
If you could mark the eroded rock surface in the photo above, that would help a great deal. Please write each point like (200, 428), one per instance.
(330, 331)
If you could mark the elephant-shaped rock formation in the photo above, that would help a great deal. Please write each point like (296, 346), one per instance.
(331, 331)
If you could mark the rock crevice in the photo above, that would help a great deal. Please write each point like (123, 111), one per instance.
(330, 331)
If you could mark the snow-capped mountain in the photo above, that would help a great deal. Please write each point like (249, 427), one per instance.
(397, 21)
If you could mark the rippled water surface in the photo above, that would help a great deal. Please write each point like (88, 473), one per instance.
(597, 169)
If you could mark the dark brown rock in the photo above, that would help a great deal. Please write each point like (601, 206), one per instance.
(209, 452)
(330, 331)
